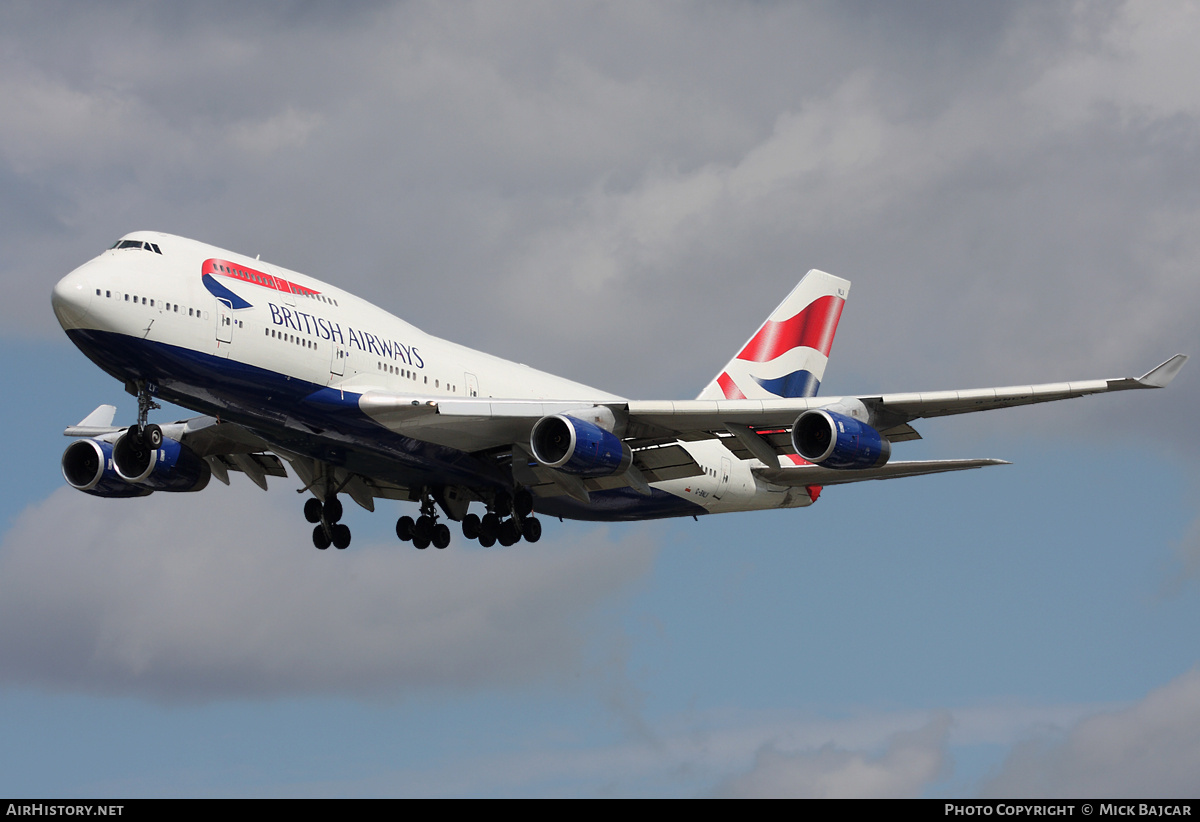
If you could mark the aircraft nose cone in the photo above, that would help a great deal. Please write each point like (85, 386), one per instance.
(71, 299)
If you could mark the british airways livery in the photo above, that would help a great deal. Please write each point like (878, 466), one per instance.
(286, 369)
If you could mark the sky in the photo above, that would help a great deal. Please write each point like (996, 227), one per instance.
(620, 193)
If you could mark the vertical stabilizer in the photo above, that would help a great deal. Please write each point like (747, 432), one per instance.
(786, 357)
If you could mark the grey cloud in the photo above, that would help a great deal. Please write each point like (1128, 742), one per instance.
(1151, 749)
(1017, 180)
(175, 597)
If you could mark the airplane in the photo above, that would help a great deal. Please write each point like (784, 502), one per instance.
(286, 369)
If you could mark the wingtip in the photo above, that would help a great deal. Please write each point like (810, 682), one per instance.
(1161, 376)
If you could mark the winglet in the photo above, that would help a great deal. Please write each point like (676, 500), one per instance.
(102, 417)
(1161, 376)
(94, 424)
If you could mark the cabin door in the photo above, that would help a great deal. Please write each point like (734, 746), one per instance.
(224, 321)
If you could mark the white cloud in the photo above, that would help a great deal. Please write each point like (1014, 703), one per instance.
(222, 595)
(1150, 749)
(911, 760)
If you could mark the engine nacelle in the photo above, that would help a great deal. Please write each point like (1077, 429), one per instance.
(577, 447)
(834, 440)
(170, 467)
(87, 466)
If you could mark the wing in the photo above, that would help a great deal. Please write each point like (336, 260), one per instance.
(805, 475)
(889, 413)
(224, 446)
(758, 429)
(477, 424)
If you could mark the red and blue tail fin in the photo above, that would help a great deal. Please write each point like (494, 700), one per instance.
(787, 356)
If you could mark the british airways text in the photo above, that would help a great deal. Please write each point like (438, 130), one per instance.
(330, 330)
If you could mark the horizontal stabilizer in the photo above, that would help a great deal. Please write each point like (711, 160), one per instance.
(816, 475)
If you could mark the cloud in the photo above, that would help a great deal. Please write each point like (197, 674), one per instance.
(1016, 181)
(221, 595)
(911, 761)
(1150, 749)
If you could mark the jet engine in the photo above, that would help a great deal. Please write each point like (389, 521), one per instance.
(170, 467)
(577, 447)
(87, 466)
(834, 440)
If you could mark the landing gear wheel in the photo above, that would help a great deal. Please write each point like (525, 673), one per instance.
(136, 444)
(152, 437)
(510, 533)
(320, 538)
(423, 529)
(312, 509)
(490, 527)
(341, 537)
(404, 528)
(441, 536)
(471, 526)
(523, 503)
(333, 510)
(487, 541)
(531, 529)
(421, 543)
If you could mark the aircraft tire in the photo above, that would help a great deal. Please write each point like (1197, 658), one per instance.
(486, 541)
(404, 528)
(341, 537)
(312, 510)
(531, 529)
(333, 510)
(510, 533)
(490, 526)
(152, 437)
(420, 543)
(423, 529)
(441, 536)
(320, 538)
(471, 526)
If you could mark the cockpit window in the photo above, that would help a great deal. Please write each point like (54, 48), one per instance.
(138, 244)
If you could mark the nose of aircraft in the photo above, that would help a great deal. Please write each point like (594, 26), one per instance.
(71, 299)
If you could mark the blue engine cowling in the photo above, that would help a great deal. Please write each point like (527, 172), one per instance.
(87, 465)
(577, 447)
(170, 467)
(834, 440)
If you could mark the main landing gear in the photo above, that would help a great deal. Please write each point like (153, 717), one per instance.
(425, 529)
(508, 520)
(329, 530)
